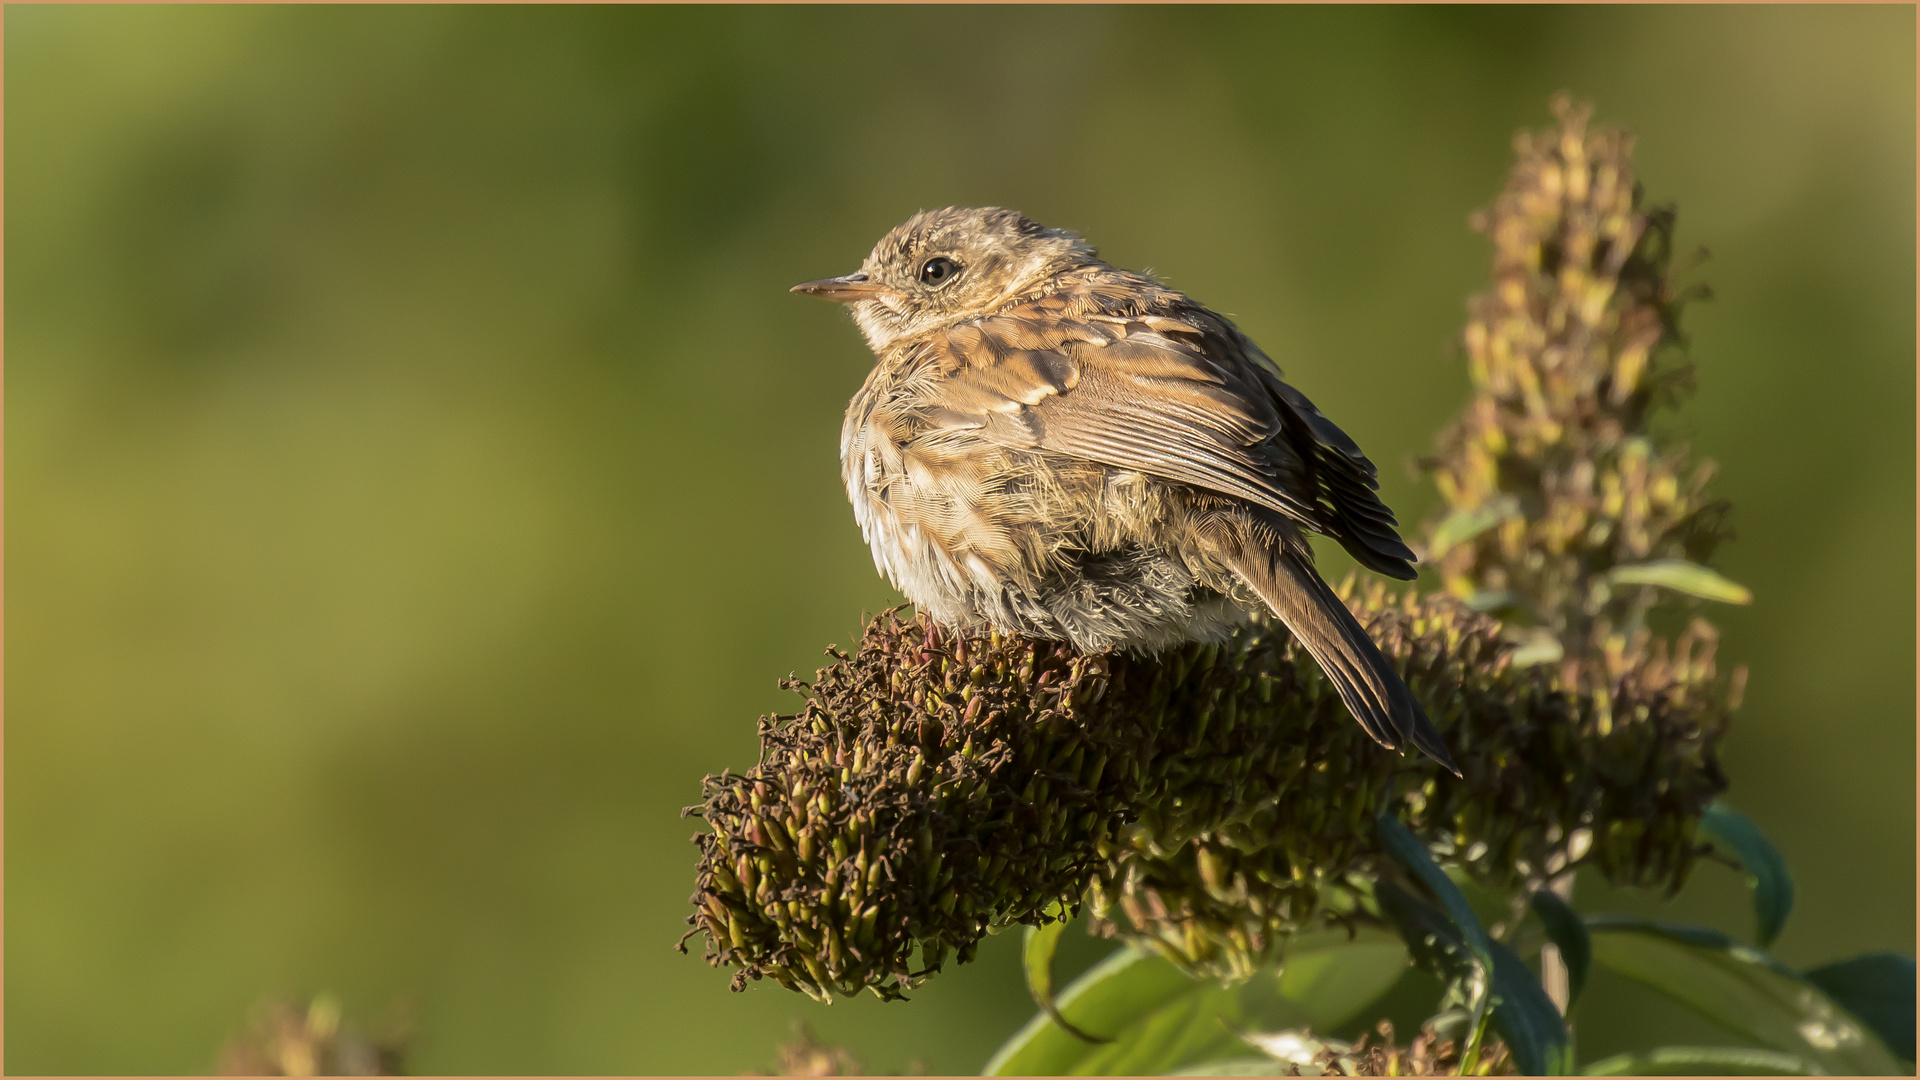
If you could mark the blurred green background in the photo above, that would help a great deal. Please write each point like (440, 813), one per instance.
(419, 475)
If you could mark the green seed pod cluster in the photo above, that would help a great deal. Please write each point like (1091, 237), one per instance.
(1209, 801)
(1554, 483)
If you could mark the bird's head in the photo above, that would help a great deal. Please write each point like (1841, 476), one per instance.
(943, 267)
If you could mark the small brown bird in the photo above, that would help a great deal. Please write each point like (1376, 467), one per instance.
(1052, 446)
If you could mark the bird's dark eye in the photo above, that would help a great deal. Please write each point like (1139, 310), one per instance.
(938, 270)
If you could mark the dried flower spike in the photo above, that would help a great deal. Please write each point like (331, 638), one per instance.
(1567, 517)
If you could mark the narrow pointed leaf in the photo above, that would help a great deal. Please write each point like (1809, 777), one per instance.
(1743, 990)
(1878, 989)
(1490, 600)
(1117, 992)
(1566, 930)
(1540, 647)
(1522, 1013)
(1527, 1018)
(1701, 1061)
(1042, 942)
(1446, 938)
(1476, 979)
(1735, 834)
(1468, 522)
(1408, 851)
(1432, 939)
(1682, 576)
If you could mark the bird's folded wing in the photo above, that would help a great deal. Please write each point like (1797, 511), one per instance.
(1169, 398)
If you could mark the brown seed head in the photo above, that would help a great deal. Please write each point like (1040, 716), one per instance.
(1552, 474)
(1208, 802)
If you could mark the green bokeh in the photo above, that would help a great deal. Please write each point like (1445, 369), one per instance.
(418, 474)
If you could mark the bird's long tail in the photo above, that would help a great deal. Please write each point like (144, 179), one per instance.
(1372, 690)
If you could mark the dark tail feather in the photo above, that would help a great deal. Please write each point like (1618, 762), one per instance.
(1371, 689)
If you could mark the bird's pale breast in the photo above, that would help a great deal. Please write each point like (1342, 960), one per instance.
(979, 534)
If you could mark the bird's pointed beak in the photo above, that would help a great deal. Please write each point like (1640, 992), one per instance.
(844, 290)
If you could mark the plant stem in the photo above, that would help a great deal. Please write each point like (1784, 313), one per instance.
(1470, 1057)
(1553, 969)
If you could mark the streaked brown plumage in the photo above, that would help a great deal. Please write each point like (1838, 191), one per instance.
(1053, 446)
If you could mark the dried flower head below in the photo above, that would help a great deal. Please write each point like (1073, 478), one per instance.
(1207, 802)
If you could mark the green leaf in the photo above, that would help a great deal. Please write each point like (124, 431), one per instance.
(1119, 991)
(1160, 1020)
(1409, 852)
(1538, 647)
(1877, 989)
(1238, 1067)
(1525, 1017)
(1567, 932)
(1451, 942)
(1198, 1028)
(1468, 522)
(1433, 941)
(1490, 600)
(1332, 984)
(1682, 576)
(1736, 834)
(1041, 943)
(1700, 1061)
(1468, 960)
(1743, 990)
